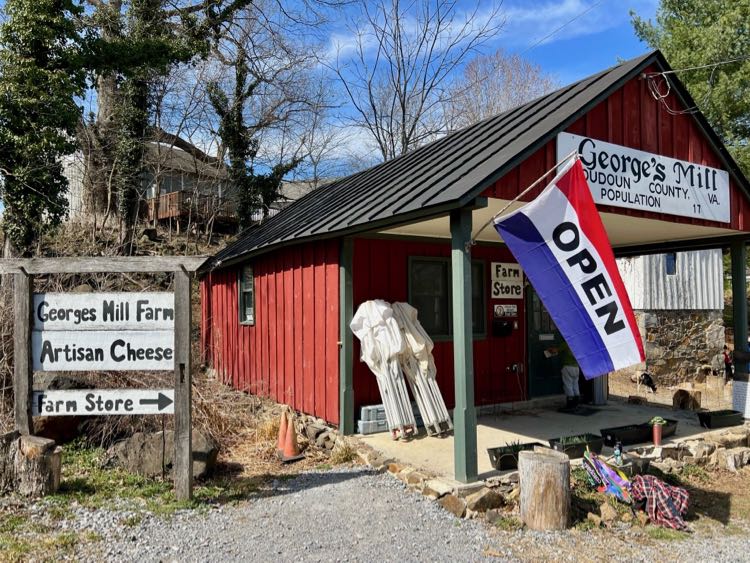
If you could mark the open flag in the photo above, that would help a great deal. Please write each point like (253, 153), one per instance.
(561, 244)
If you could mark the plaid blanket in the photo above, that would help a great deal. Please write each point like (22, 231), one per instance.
(665, 505)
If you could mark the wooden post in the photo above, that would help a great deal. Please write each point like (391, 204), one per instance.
(183, 448)
(346, 360)
(22, 364)
(464, 413)
(544, 477)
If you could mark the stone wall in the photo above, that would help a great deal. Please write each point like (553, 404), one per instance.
(678, 343)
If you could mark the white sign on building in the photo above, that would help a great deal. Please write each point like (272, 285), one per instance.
(103, 331)
(625, 177)
(507, 280)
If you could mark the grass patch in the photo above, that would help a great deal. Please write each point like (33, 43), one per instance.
(665, 534)
(695, 473)
(508, 523)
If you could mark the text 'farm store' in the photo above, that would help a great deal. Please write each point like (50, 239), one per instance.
(278, 301)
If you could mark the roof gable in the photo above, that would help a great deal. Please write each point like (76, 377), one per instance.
(450, 172)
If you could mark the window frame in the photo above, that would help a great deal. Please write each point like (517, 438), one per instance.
(480, 335)
(241, 295)
(670, 259)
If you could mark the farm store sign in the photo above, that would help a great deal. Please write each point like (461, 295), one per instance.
(103, 331)
(634, 179)
(507, 281)
(103, 402)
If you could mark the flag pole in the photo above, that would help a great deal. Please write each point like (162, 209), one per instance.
(473, 241)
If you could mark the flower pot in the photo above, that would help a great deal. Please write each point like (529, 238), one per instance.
(577, 449)
(656, 431)
(506, 457)
(628, 434)
(720, 419)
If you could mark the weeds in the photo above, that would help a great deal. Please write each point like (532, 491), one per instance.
(665, 534)
(508, 523)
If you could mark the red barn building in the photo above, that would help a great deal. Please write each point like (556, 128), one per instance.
(277, 302)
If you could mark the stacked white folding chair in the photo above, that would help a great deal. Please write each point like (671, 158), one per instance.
(393, 341)
(382, 343)
(419, 368)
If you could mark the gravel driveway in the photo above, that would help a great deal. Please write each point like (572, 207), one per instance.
(354, 514)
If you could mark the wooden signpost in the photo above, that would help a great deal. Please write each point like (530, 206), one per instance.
(106, 331)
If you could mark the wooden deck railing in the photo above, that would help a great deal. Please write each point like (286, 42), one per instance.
(180, 205)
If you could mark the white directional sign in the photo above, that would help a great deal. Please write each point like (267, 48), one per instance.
(96, 402)
(103, 331)
(61, 350)
(104, 311)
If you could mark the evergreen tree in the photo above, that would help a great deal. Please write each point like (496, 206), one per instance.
(700, 33)
(40, 59)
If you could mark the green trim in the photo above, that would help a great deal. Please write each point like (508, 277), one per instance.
(479, 335)
(240, 295)
(464, 414)
(705, 243)
(346, 342)
(739, 302)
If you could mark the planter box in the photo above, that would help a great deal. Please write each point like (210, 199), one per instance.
(720, 419)
(636, 433)
(576, 450)
(506, 457)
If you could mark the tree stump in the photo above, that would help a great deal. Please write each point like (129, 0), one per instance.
(29, 465)
(544, 477)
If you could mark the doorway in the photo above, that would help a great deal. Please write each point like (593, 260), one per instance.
(544, 368)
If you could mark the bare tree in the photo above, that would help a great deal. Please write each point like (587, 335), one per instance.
(492, 84)
(405, 55)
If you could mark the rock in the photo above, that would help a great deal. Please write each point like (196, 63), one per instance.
(594, 519)
(736, 458)
(492, 515)
(314, 430)
(453, 504)
(514, 495)
(322, 438)
(728, 439)
(668, 465)
(700, 449)
(436, 488)
(635, 400)
(510, 478)
(395, 468)
(608, 513)
(142, 453)
(463, 490)
(415, 479)
(484, 500)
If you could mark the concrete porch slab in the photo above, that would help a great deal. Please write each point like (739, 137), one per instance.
(533, 425)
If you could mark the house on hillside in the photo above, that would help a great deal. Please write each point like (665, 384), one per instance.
(183, 185)
(277, 302)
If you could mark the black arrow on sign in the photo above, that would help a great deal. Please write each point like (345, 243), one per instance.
(162, 401)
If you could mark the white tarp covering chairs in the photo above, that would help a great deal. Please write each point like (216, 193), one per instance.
(394, 344)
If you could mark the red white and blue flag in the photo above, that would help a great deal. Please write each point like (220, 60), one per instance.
(560, 242)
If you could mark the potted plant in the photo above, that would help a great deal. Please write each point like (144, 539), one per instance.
(575, 446)
(506, 457)
(656, 428)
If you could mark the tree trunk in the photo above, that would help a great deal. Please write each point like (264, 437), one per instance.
(544, 476)
(29, 465)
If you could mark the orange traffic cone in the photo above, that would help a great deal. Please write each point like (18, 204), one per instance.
(291, 448)
(282, 433)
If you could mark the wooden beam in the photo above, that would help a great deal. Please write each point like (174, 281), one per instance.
(346, 361)
(464, 414)
(101, 264)
(23, 286)
(183, 447)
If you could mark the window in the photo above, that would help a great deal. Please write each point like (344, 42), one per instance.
(430, 294)
(671, 263)
(247, 296)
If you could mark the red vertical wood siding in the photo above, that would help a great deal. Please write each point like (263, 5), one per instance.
(380, 271)
(291, 354)
(631, 117)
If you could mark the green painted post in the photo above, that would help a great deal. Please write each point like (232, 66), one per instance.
(346, 359)
(464, 414)
(739, 304)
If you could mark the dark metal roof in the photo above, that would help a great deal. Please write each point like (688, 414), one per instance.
(446, 174)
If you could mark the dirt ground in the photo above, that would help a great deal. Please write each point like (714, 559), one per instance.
(716, 394)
